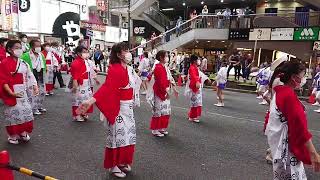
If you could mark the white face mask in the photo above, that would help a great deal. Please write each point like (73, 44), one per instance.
(24, 40)
(37, 49)
(166, 59)
(128, 58)
(85, 56)
(18, 53)
(47, 48)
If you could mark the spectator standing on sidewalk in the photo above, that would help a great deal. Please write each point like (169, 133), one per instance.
(98, 57)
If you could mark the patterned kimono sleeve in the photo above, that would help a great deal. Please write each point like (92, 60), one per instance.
(108, 95)
(298, 133)
(31, 80)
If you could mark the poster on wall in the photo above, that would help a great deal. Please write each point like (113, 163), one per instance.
(306, 34)
(239, 34)
(29, 16)
(260, 34)
(282, 34)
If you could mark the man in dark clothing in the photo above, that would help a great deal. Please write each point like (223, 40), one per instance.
(98, 57)
(234, 62)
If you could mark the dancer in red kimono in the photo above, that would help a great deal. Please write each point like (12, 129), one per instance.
(115, 99)
(81, 87)
(159, 96)
(52, 64)
(194, 89)
(16, 79)
(287, 130)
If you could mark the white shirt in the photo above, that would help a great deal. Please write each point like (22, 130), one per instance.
(37, 62)
(144, 65)
(205, 11)
(221, 77)
(204, 64)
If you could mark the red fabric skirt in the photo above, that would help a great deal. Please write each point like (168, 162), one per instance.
(74, 108)
(49, 87)
(118, 156)
(195, 112)
(20, 128)
(161, 122)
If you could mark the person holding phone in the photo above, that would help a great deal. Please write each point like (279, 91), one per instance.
(16, 82)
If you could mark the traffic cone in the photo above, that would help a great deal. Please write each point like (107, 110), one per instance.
(180, 81)
(5, 173)
(312, 99)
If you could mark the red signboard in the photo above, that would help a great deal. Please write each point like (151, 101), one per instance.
(95, 27)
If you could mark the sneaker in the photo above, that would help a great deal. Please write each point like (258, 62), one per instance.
(42, 110)
(164, 132)
(316, 104)
(85, 117)
(47, 94)
(25, 137)
(318, 110)
(13, 140)
(219, 105)
(37, 112)
(263, 103)
(51, 93)
(157, 133)
(259, 97)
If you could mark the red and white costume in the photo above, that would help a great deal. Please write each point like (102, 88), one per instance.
(195, 94)
(157, 97)
(288, 133)
(80, 71)
(116, 99)
(18, 111)
(52, 63)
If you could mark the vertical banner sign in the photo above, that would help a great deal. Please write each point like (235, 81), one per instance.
(7, 18)
(84, 11)
(15, 15)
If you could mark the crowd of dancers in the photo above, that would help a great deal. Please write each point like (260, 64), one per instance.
(26, 76)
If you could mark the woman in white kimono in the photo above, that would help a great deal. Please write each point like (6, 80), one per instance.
(287, 130)
(116, 99)
(16, 79)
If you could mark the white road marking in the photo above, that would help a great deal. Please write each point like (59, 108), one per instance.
(232, 117)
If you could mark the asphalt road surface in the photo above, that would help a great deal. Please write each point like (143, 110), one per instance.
(228, 143)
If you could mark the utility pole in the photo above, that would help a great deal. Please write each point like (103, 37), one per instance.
(129, 23)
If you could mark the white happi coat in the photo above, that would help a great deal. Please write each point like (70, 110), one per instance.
(84, 91)
(22, 111)
(123, 132)
(285, 165)
(195, 98)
